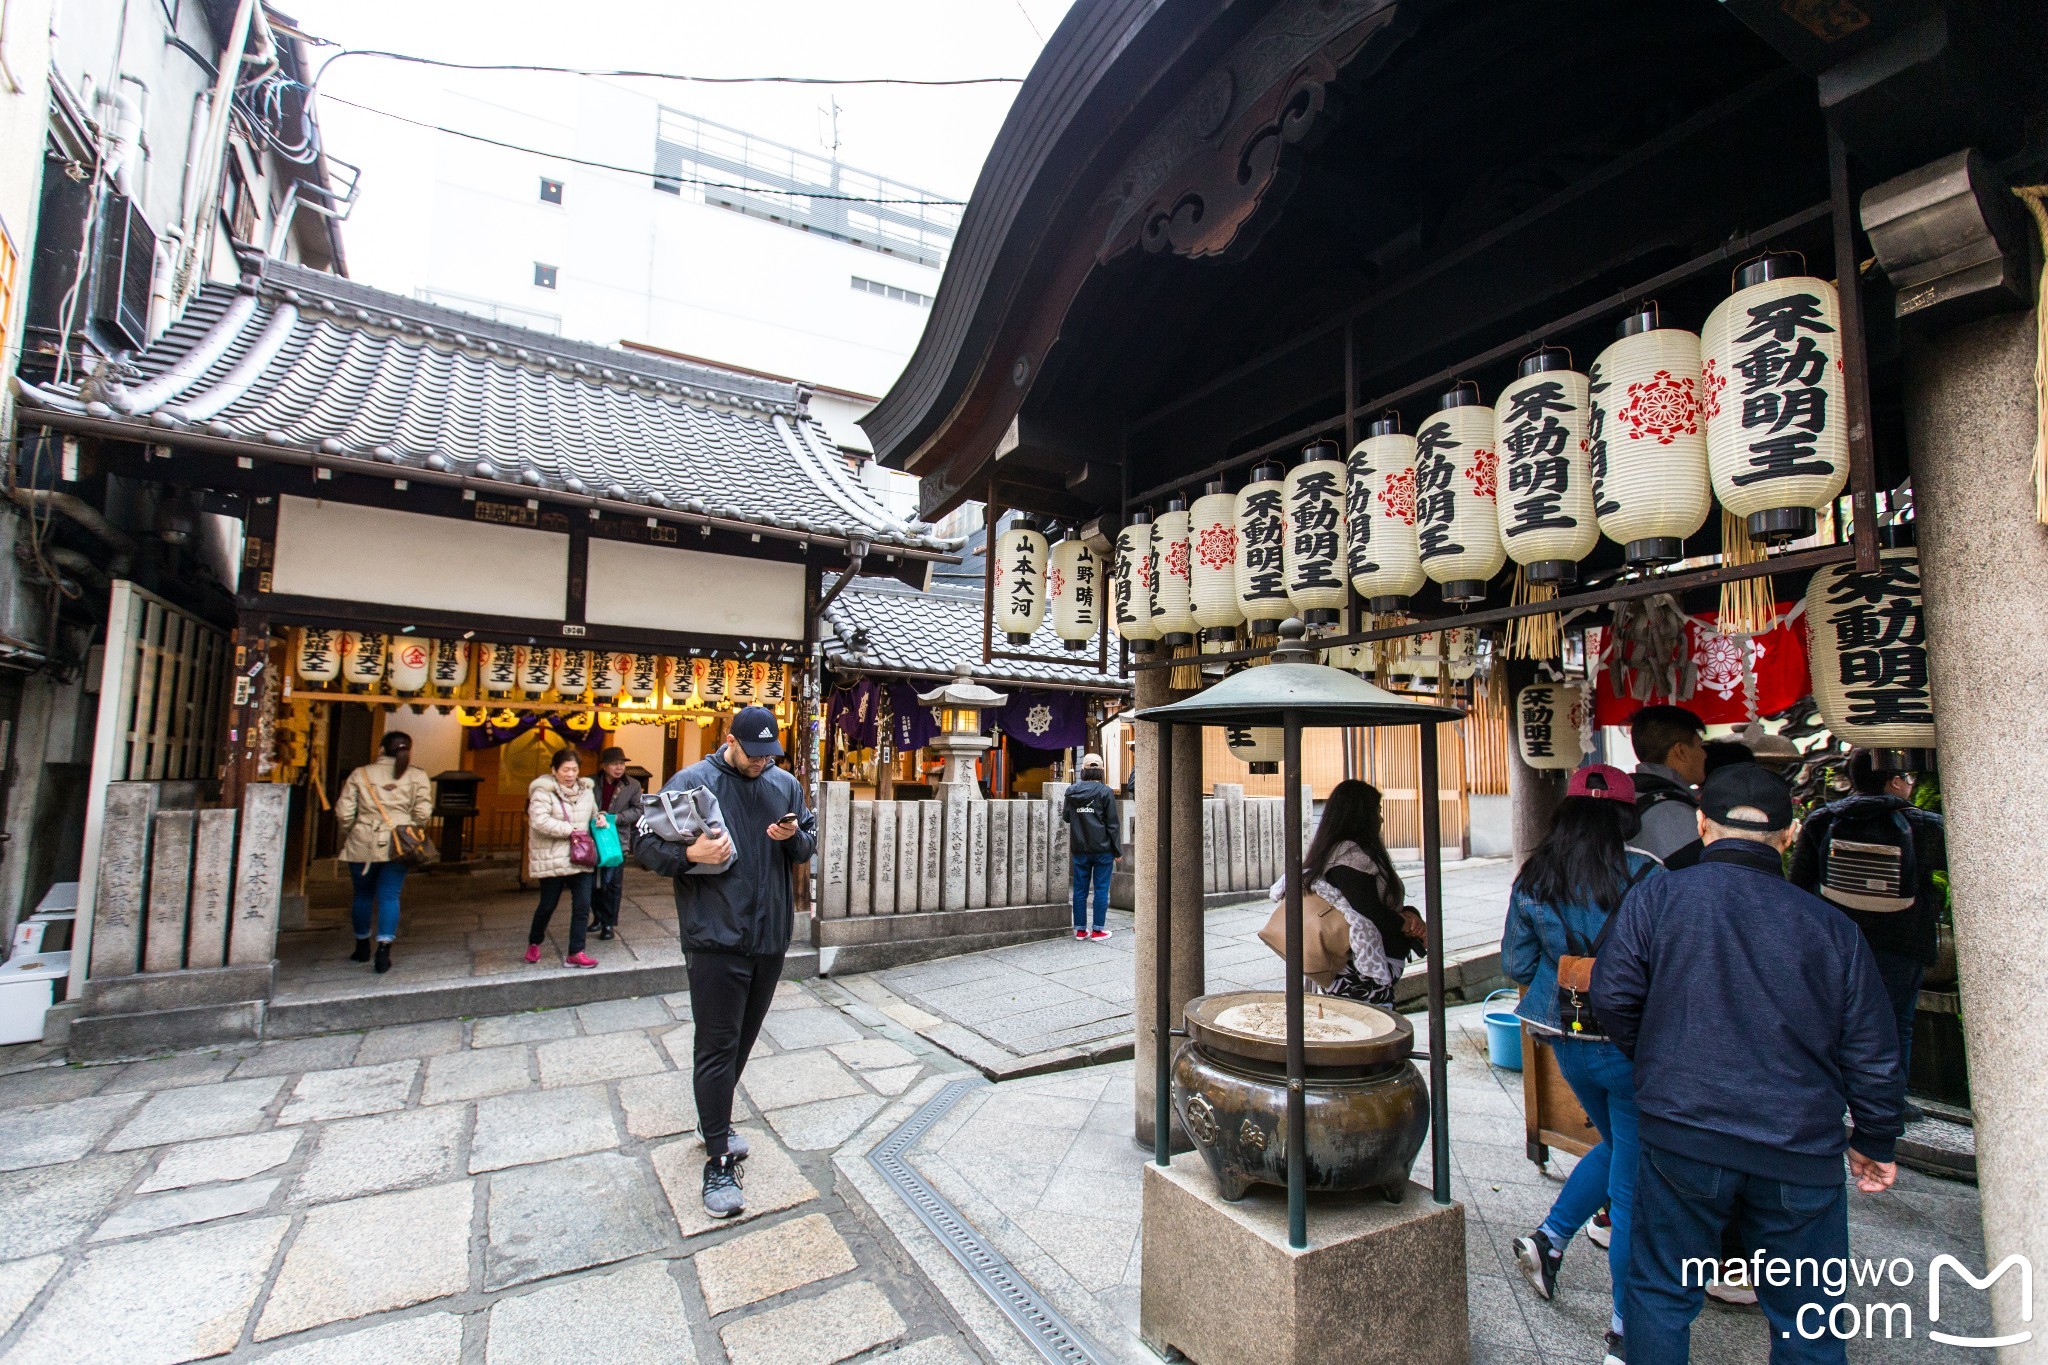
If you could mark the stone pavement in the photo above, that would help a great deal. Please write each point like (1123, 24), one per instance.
(510, 1189)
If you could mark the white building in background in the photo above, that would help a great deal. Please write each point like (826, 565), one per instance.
(731, 251)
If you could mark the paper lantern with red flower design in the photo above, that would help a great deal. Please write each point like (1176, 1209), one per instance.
(1455, 490)
(1382, 554)
(1073, 587)
(1131, 584)
(1262, 550)
(1173, 603)
(1212, 562)
(1019, 567)
(1314, 556)
(1545, 508)
(1646, 444)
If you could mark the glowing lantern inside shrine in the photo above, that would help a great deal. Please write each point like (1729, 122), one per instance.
(1019, 567)
(1073, 583)
(1257, 745)
(1461, 651)
(497, 668)
(690, 678)
(1314, 552)
(608, 674)
(1212, 563)
(727, 672)
(1548, 719)
(1771, 391)
(1869, 658)
(1645, 443)
(776, 689)
(450, 668)
(1545, 507)
(758, 673)
(1173, 602)
(536, 670)
(319, 654)
(1382, 554)
(409, 659)
(1262, 551)
(1455, 476)
(739, 678)
(642, 671)
(362, 657)
(572, 673)
(1133, 584)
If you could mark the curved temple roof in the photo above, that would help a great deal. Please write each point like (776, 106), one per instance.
(903, 631)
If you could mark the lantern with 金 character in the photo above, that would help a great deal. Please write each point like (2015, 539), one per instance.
(1019, 568)
(1256, 745)
(1869, 659)
(497, 668)
(1645, 443)
(608, 674)
(1073, 585)
(409, 659)
(450, 667)
(1456, 527)
(1314, 550)
(536, 670)
(1545, 504)
(1131, 584)
(1262, 550)
(1771, 391)
(1212, 563)
(1173, 603)
(1382, 553)
(363, 656)
(572, 673)
(319, 654)
(1548, 719)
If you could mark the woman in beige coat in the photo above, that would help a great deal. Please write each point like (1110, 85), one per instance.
(560, 804)
(376, 796)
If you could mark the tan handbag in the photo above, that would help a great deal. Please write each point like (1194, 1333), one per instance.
(1325, 937)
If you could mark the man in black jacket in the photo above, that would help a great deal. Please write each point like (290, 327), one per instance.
(735, 925)
(1755, 1017)
(1090, 811)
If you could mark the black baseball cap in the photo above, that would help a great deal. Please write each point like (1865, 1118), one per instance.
(1750, 787)
(756, 731)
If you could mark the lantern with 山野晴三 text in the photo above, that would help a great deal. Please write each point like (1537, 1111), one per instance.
(1314, 550)
(1173, 603)
(1132, 584)
(1019, 568)
(1262, 550)
(1456, 528)
(1212, 563)
(1869, 659)
(1382, 554)
(1545, 501)
(1646, 446)
(1073, 584)
(1549, 718)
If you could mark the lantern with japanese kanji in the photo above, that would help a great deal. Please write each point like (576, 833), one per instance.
(1548, 721)
(362, 657)
(608, 674)
(728, 671)
(409, 658)
(642, 675)
(450, 666)
(1771, 391)
(1073, 586)
(1455, 474)
(497, 668)
(1212, 563)
(1461, 651)
(690, 678)
(1262, 550)
(1645, 443)
(1869, 659)
(1545, 504)
(1382, 554)
(1257, 745)
(536, 670)
(1132, 584)
(1173, 603)
(775, 689)
(572, 673)
(1314, 551)
(1019, 567)
(319, 654)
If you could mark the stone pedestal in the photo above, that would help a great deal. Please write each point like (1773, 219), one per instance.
(1378, 1282)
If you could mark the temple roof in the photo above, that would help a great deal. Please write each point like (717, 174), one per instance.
(884, 628)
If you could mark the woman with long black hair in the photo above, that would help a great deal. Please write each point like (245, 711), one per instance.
(1563, 897)
(1347, 865)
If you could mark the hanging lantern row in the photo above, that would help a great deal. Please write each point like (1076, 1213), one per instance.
(1074, 590)
(1173, 604)
(1869, 659)
(1549, 720)
(414, 665)
(1034, 578)
(1131, 582)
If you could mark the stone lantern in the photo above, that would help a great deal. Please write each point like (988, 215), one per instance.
(960, 740)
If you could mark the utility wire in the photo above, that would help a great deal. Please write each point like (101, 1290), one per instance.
(638, 170)
(328, 65)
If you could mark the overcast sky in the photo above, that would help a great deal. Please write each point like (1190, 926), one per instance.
(932, 138)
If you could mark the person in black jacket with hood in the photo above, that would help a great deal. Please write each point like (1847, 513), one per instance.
(735, 925)
(1090, 811)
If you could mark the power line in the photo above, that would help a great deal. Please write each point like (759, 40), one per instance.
(649, 75)
(641, 171)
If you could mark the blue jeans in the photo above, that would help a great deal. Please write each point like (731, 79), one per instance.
(1901, 974)
(1682, 1206)
(1602, 1077)
(1095, 868)
(376, 883)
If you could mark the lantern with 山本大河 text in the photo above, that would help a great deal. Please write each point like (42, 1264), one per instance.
(536, 670)
(319, 654)
(1869, 659)
(1382, 554)
(1019, 567)
(1549, 718)
(450, 665)
(1073, 588)
(409, 659)
(1257, 745)
(1212, 563)
(1132, 584)
(497, 668)
(608, 674)
(1173, 601)
(1646, 446)
(1771, 393)
(1545, 503)
(1314, 550)
(1456, 529)
(1262, 550)
(363, 654)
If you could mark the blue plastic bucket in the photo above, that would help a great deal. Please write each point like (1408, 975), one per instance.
(1503, 1036)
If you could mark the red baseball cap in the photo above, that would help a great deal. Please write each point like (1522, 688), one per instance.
(1603, 780)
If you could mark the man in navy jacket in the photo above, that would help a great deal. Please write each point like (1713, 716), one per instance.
(1756, 1018)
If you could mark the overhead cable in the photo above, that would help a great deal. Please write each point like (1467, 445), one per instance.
(328, 65)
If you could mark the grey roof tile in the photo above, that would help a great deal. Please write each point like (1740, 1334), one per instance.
(907, 631)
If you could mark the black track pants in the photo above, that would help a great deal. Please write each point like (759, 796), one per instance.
(729, 997)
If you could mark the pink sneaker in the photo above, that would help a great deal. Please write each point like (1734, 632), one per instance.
(533, 952)
(1099, 934)
(579, 960)
(1080, 933)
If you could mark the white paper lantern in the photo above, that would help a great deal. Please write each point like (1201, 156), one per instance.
(1073, 586)
(608, 674)
(778, 685)
(1545, 508)
(1455, 484)
(683, 677)
(728, 673)
(643, 672)
(536, 670)
(1645, 442)
(362, 656)
(1262, 550)
(572, 673)
(1133, 584)
(497, 668)
(319, 655)
(1772, 394)
(1314, 558)
(1173, 602)
(1461, 651)
(1259, 745)
(450, 668)
(1548, 719)
(1869, 656)
(1020, 582)
(409, 660)
(1382, 554)
(1212, 563)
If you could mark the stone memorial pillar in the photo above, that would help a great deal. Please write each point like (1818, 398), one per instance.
(956, 799)
(1182, 825)
(998, 853)
(1230, 796)
(1035, 858)
(1059, 857)
(259, 874)
(170, 890)
(213, 884)
(860, 860)
(1020, 851)
(123, 878)
(909, 854)
(977, 854)
(931, 855)
(835, 812)
(885, 856)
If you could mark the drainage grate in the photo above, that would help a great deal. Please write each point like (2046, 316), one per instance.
(1054, 1337)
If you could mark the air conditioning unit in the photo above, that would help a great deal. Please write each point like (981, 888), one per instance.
(126, 265)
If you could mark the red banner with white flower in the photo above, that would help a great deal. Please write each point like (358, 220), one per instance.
(1735, 678)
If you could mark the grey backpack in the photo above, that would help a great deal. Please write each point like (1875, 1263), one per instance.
(679, 817)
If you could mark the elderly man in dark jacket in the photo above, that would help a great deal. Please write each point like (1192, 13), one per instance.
(1755, 1018)
(735, 925)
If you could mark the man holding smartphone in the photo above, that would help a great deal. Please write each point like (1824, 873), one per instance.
(735, 925)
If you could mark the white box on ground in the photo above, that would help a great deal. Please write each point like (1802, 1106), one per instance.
(28, 987)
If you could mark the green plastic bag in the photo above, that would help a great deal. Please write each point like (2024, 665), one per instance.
(606, 837)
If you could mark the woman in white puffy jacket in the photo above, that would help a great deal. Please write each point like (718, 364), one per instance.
(560, 804)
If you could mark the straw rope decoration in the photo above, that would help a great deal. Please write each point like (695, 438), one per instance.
(1533, 637)
(1387, 653)
(2035, 197)
(1750, 605)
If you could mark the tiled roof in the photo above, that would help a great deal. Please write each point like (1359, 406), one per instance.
(310, 366)
(888, 628)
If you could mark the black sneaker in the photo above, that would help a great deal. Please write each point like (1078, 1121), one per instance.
(362, 952)
(1614, 1355)
(722, 1195)
(383, 962)
(1539, 1261)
